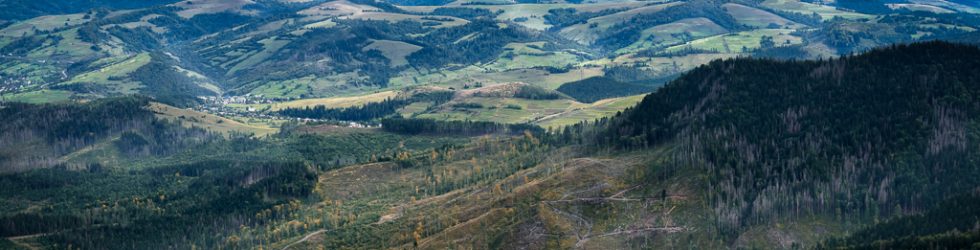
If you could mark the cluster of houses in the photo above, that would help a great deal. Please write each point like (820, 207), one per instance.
(218, 105)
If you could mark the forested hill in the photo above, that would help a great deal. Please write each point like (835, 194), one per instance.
(884, 133)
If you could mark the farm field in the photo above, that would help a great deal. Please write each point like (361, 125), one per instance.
(825, 12)
(332, 102)
(489, 124)
(191, 118)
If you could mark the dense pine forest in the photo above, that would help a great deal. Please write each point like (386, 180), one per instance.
(874, 136)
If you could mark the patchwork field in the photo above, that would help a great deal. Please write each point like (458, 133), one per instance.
(395, 51)
(333, 102)
(191, 118)
(587, 33)
(529, 55)
(470, 76)
(825, 12)
(546, 113)
(269, 47)
(739, 42)
(683, 30)
(534, 13)
(39, 96)
(192, 8)
(758, 18)
(589, 112)
(114, 69)
(42, 23)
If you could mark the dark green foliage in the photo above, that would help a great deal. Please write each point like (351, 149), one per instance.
(387, 6)
(970, 38)
(865, 6)
(19, 10)
(967, 3)
(342, 44)
(465, 13)
(63, 128)
(537, 93)
(429, 126)
(639, 75)
(782, 52)
(849, 37)
(467, 105)
(56, 122)
(560, 18)
(165, 84)
(137, 39)
(625, 33)
(653, 52)
(442, 47)
(877, 126)
(952, 224)
(198, 25)
(366, 112)
(23, 45)
(600, 87)
(90, 33)
(209, 201)
(811, 19)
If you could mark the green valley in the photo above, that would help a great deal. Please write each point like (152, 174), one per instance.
(489, 124)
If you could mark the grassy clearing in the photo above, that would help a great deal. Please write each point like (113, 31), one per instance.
(192, 8)
(329, 23)
(547, 113)
(825, 12)
(40, 96)
(395, 51)
(200, 80)
(473, 74)
(191, 118)
(414, 108)
(332, 102)
(348, 10)
(599, 109)
(587, 33)
(528, 55)
(33, 71)
(740, 42)
(269, 47)
(337, 8)
(533, 12)
(664, 66)
(758, 18)
(42, 23)
(114, 68)
(313, 86)
(496, 109)
(68, 46)
(397, 17)
(918, 7)
(674, 33)
(143, 22)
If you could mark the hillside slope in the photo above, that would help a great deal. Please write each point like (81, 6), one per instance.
(875, 135)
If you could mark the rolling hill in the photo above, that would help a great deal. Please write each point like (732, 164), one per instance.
(287, 50)
(489, 124)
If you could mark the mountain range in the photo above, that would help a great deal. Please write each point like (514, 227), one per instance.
(489, 124)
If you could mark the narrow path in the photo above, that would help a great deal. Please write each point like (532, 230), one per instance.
(305, 238)
(18, 240)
